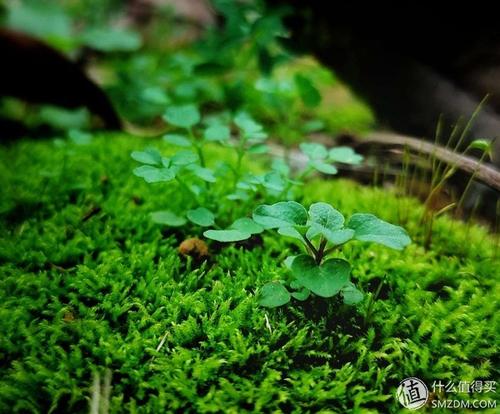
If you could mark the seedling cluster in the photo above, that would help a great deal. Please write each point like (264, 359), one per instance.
(321, 230)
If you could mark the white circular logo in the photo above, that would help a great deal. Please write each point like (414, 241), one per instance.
(412, 393)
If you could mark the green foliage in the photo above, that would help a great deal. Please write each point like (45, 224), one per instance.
(311, 272)
(79, 296)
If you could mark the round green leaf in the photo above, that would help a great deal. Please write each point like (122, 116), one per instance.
(176, 139)
(273, 294)
(227, 235)
(324, 215)
(368, 227)
(184, 157)
(282, 214)
(247, 225)
(153, 174)
(183, 116)
(217, 133)
(323, 167)
(345, 155)
(149, 156)
(168, 218)
(313, 150)
(206, 174)
(351, 294)
(325, 280)
(201, 216)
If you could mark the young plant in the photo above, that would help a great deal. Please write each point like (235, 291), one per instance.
(321, 230)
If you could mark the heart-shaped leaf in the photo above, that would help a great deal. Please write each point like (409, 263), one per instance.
(323, 167)
(328, 222)
(176, 139)
(168, 218)
(324, 280)
(206, 174)
(247, 225)
(227, 236)
(345, 155)
(183, 116)
(273, 294)
(149, 156)
(201, 216)
(351, 294)
(314, 151)
(282, 214)
(153, 174)
(368, 227)
(217, 133)
(184, 157)
(325, 216)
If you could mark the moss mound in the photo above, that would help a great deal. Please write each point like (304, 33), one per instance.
(89, 286)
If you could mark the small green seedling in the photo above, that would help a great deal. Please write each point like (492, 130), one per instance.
(321, 230)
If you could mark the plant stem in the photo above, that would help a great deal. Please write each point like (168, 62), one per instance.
(311, 246)
(186, 189)
(321, 250)
(198, 147)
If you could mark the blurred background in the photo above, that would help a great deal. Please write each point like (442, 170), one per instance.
(73, 66)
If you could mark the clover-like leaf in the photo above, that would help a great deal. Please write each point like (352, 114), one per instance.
(201, 216)
(153, 174)
(149, 156)
(324, 215)
(183, 116)
(184, 157)
(177, 139)
(247, 225)
(167, 217)
(273, 294)
(351, 294)
(227, 236)
(345, 155)
(325, 280)
(206, 174)
(281, 214)
(251, 129)
(314, 151)
(328, 222)
(323, 167)
(274, 181)
(368, 227)
(217, 132)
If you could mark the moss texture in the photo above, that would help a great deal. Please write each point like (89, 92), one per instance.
(89, 284)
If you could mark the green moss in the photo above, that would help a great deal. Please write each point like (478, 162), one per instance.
(87, 283)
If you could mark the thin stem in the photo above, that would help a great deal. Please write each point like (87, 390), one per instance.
(310, 246)
(198, 147)
(321, 250)
(186, 188)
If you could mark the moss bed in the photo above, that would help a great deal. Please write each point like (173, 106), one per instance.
(88, 284)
